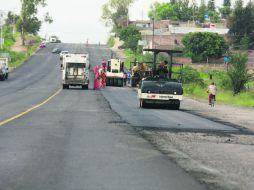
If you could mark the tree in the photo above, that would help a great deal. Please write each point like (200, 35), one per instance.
(226, 9)
(185, 11)
(28, 22)
(238, 72)
(204, 45)
(212, 13)
(164, 11)
(173, 10)
(211, 5)
(130, 35)
(202, 11)
(245, 43)
(214, 16)
(115, 13)
(11, 18)
(240, 23)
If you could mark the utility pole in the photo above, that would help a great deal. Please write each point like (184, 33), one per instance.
(22, 26)
(1, 26)
(14, 22)
(194, 6)
(153, 34)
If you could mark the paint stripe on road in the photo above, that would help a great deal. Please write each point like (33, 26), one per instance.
(30, 109)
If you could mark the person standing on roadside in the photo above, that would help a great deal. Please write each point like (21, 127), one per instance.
(103, 78)
(104, 64)
(96, 77)
(212, 90)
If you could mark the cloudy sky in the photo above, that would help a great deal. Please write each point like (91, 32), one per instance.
(79, 20)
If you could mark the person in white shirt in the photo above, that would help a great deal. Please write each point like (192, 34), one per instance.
(212, 90)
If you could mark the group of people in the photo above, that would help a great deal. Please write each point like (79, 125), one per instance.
(100, 78)
(100, 75)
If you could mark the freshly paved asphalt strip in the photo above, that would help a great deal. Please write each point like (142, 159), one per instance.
(125, 102)
(74, 141)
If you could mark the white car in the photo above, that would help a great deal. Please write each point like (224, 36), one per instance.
(62, 54)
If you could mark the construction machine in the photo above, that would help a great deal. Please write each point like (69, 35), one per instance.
(115, 73)
(164, 87)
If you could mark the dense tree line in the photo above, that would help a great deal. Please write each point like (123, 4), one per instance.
(241, 25)
(183, 10)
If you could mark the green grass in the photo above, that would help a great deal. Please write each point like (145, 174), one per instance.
(17, 58)
(224, 92)
(221, 79)
(244, 99)
(111, 42)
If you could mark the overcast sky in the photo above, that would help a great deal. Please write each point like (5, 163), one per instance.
(79, 20)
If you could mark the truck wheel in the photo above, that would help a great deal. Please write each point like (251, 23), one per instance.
(121, 82)
(142, 104)
(85, 87)
(65, 86)
(177, 106)
(107, 82)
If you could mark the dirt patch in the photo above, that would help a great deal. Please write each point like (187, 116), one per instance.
(18, 47)
(222, 161)
(231, 115)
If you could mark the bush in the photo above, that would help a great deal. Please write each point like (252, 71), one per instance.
(191, 75)
(222, 79)
(111, 42)
(238, 72)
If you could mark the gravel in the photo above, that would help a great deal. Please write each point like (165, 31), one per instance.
(219, 160)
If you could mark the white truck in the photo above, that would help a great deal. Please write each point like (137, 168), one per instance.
(54, 39)
(115, 73)
(4, 68)
(75, 70)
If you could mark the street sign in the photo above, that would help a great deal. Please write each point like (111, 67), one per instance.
(206, 17)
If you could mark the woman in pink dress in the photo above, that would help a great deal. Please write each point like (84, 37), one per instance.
(96, 77)
(104, 64)
(103, 79)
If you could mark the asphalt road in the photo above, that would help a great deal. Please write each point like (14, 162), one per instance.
(75, 141)
(124, 101)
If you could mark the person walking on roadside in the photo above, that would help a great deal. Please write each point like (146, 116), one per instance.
(212, 90)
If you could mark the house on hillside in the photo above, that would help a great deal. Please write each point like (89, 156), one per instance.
(169, 34)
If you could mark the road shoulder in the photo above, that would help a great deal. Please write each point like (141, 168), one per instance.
(220, 160)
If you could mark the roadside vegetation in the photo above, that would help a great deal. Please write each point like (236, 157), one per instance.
(196, 81)
(17, 57)
(236, 85)
(21, 31)
(111, 42)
